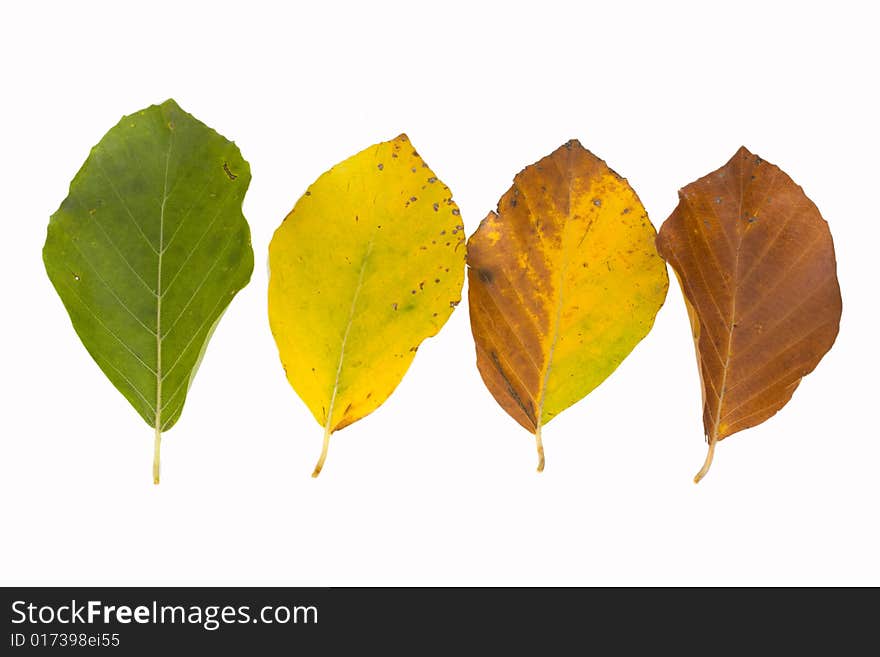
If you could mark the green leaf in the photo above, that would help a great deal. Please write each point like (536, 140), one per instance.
(148, 249)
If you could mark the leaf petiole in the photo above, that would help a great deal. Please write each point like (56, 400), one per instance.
(708, 463)
(323, 457)
(540, 446)
(156, 447)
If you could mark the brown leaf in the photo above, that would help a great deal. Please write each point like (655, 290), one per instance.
(755, 261)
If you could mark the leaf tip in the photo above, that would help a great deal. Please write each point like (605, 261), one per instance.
(168, 106)
(743, 152)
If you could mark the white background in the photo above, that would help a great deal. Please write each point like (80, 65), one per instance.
(439, 485)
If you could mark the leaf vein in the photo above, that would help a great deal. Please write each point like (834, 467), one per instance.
(125, 206)
(106, 328)
(198, 289)
(110, 289)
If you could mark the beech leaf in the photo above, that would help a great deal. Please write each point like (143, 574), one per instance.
(755, 261)
(146, 252)
(368, 264)
(564, 280)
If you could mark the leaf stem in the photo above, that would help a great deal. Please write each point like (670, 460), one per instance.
(323, 457)
(708, 463)
(540, 445)
(156, 447)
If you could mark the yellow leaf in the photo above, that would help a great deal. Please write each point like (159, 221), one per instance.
(369, 263)
(564, 280)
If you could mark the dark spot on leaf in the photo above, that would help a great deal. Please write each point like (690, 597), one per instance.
(381, 166)
(485, 275)
(456, 212)
(432, 179)
(231, 175)
(394, 306)
(436, 207)
(597, 202)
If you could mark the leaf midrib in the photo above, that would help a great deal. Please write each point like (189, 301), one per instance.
(159, 377)
(559, 299)
(740, 233)
(728, 351)
(351, 316)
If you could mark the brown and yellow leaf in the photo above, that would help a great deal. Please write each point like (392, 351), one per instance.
(564, 280)
(755, 261)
